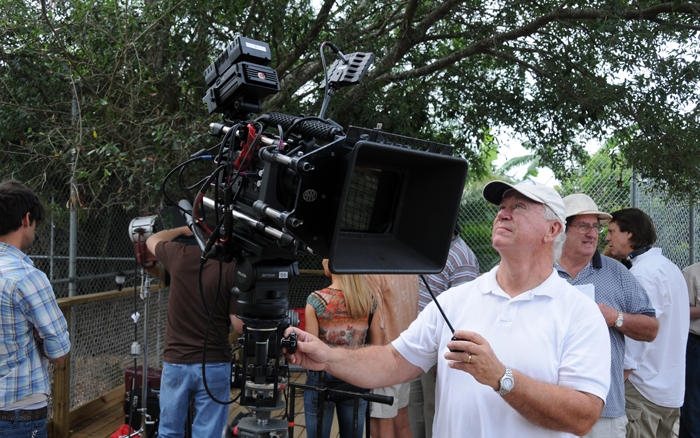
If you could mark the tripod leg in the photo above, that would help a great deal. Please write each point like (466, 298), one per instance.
(189, 420)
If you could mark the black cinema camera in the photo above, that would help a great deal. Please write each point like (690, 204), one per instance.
(281, 185)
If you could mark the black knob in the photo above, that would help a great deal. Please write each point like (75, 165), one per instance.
(290, 343)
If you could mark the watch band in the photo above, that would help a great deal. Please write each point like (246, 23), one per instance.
(620, 320)
(507, 382)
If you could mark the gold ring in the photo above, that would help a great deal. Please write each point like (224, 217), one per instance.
(469, 359)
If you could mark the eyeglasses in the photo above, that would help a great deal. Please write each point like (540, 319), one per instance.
(584, 228)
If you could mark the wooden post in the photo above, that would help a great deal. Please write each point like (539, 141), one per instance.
(61, 392)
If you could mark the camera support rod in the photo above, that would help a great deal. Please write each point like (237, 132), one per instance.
(285, 238)
(219, 129)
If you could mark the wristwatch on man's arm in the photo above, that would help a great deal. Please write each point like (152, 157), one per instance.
(507, 382)
(619, 321)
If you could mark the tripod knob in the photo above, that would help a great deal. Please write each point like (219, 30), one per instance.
(290, 343)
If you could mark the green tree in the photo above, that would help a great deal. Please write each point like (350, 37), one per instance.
(604, 178)
(476, 215)
(556, 73)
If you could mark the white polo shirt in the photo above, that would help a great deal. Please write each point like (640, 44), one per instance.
(552, 333)
(660, 365)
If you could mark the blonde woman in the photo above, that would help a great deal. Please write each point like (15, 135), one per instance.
(339, 315)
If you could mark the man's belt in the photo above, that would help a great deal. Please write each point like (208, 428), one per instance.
(33, 415)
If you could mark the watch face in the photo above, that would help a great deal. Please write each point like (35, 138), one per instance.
(618, 323)
(507, 383)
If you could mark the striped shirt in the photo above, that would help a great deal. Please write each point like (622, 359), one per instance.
(461, 267)
(27, 303)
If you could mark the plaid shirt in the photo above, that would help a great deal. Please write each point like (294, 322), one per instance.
(27, 302)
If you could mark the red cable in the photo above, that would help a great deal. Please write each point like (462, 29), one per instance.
(240, 164)
(196, 216)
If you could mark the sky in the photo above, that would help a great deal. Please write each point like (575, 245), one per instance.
(509, 148)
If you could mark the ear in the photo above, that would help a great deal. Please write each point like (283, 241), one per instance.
(555, 228)
(26, 222)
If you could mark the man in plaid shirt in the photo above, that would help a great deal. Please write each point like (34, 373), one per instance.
(33, 330)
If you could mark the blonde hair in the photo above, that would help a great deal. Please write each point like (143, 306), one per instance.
(359, 300)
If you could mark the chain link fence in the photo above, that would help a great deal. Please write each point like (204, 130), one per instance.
(612, 187)
(675, 224)
(102, 246)
(103, 332)
(101, 335)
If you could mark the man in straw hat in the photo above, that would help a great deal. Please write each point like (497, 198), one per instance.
(622, 300)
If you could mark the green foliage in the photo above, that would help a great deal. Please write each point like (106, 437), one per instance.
(603, 177)
(452, 72)
(532, 161)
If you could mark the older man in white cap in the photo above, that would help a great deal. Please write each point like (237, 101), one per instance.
(622, 300)
(531, 355)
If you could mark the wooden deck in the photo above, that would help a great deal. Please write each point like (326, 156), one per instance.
(111, 419)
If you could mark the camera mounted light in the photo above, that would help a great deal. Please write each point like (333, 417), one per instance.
(140, 229)
(120, 278)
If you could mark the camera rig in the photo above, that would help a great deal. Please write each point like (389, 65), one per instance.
(370, 201)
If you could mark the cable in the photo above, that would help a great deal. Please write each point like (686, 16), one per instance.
(196, 216)
(326, 98)
(281, 135)
(178, 167)
(136, 340)
(206, 333)
(204, 302)
(324, 106)
(438, 304)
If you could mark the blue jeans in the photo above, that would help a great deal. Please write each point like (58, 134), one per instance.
(344, 408)
(23, 429)
(690, 412)
(181, 383)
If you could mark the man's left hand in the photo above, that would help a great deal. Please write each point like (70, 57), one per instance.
(477, 359)
(39, 342)
(609, 314)
(37, 338)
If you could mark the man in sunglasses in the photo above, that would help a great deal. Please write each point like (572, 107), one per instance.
(622, 300)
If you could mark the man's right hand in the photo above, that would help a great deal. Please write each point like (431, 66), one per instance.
(312, 353)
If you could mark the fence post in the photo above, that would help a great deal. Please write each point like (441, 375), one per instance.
(53, 240)
(74, 201)
(634, 195)
(61, 392)
(691, 225)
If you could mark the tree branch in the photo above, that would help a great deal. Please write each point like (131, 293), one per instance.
(310, 36)
(487, 44)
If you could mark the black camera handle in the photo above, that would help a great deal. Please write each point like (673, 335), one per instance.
(323, 393)
(454, 338)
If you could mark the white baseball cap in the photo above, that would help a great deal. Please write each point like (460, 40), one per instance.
(583, 204)
(494, 191)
